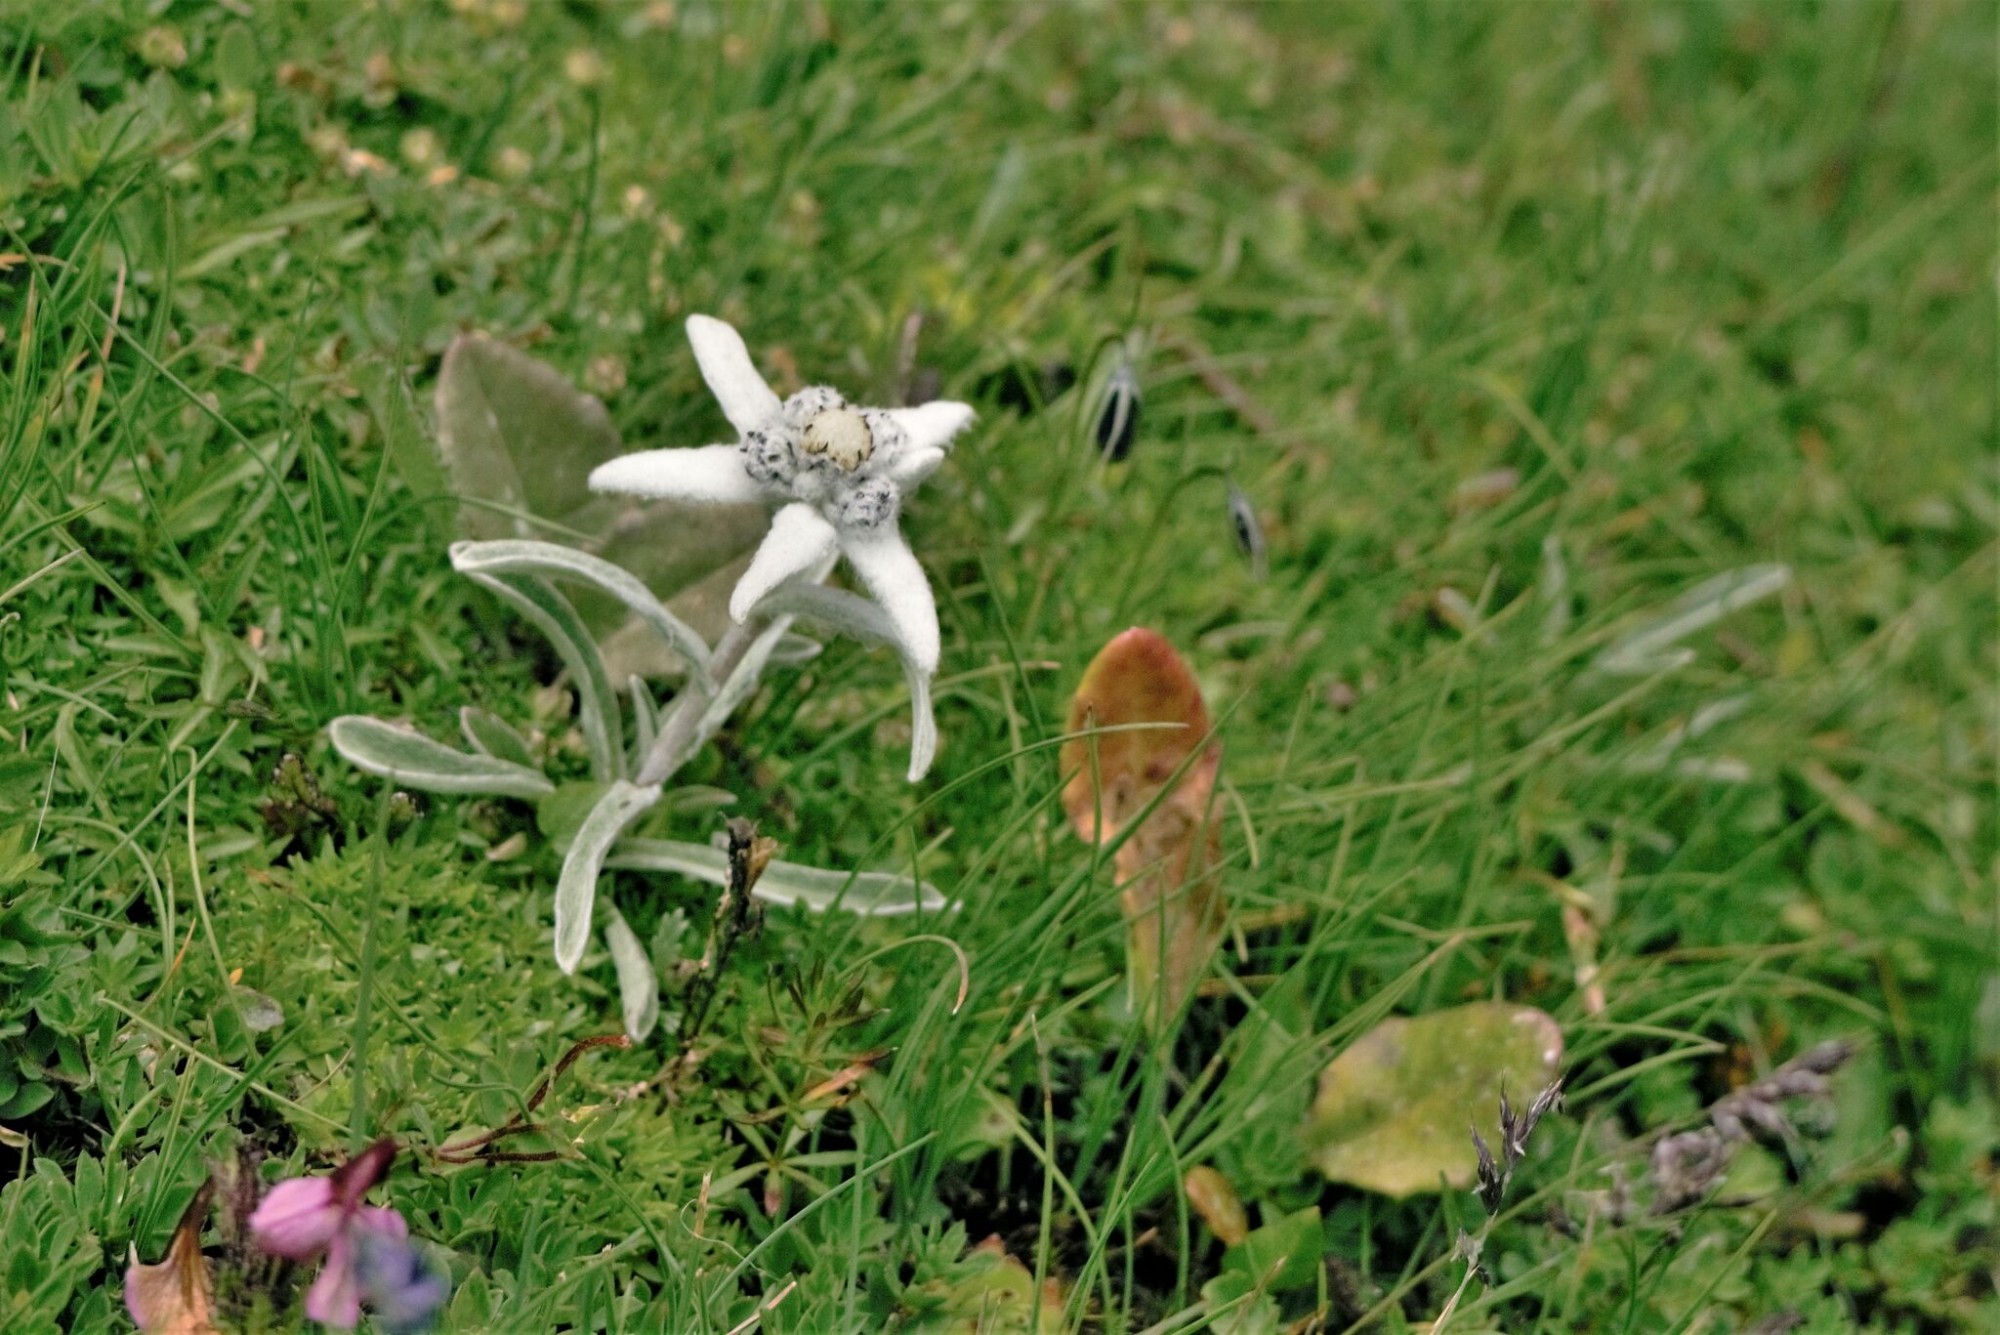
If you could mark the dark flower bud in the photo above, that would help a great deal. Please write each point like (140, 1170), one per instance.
(1686, 1167)
(1249, 534)
(1118, 419)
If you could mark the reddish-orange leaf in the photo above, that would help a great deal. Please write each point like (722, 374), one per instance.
(1140, 690)
(1138, 685)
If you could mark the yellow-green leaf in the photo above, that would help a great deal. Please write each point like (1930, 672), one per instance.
(1395, 1111)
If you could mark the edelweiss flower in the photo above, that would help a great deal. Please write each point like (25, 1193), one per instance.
(837, 473)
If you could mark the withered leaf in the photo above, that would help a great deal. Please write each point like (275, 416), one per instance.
(1214, 1198)
(177, 1295)
(1143, 729)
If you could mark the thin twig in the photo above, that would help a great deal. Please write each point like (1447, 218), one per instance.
(477, 1146)
(748, 856)
(767, 1305)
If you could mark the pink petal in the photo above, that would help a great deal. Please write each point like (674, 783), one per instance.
(335, 1297)
(380, 1220)
(297, 1219)
(146, 1293)
(136, 1297)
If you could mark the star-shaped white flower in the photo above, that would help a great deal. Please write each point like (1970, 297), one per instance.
(837, 474)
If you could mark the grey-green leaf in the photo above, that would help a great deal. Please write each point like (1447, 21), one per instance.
(576, 889)
(638, 986)
(795, 649)
(552, 614)
(517, 438)
(645, 718)
(743, 680)
(845, 612)
(415, 761)
(869, 893)
(673, 547)
(521, 556)
(494, 736)
(518, 442)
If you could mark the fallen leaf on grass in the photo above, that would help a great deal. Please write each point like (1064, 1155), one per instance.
(1166, 868)
(176, 1296)
(998, 1294)
(1213, 1198)
(1393, 1109)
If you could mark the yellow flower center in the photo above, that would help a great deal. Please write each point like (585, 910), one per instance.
(842, 436)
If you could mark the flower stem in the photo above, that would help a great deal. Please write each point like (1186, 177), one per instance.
(357, 1130)
(680, 734)
(677, 739)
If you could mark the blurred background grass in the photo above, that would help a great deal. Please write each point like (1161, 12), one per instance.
(1513, 322)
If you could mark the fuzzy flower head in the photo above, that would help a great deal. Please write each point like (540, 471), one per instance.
(368, 1255)
(836, 473)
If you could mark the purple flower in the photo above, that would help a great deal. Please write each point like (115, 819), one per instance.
(367, 1249)
(335, 1297)
(403, 1289)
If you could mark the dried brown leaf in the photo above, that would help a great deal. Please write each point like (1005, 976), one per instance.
(1213, 1198)
(1144, 729)
(177, 1295)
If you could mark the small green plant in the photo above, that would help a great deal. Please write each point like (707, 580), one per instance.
(839, 473)
(46, 1249)
(36, 1039)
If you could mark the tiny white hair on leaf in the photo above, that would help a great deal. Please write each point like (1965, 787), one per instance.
(891, 572)
(799, 539)
(732, 377)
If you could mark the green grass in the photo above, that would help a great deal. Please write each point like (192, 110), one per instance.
(1714, 280)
